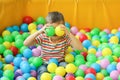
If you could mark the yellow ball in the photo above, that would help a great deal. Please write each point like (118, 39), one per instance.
(13, 43)
(92, 50)
(89, 37)
(59, 31)
(115, 58)
(69, 49)
(106, 51)
(52, 67)
(70, 68)
(79, 78)
(60, 71)
(45, 76)
(114, 31)
(77, 36)
(33, 31)
(8, 67)
(5, 32)
(69, 58)
(32, 26)
(99, 76)
(114, 39)
(7, 44)
(31, 78)
(96, 43)
(82, 31)
(84, 49)
(98, 61)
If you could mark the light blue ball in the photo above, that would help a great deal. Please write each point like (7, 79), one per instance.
(4, 78)
(86, 43)
(118, 34)
(17, 61)
(19, 55)
(15, 68)
(67, 25)
(54, 60)
(33, 67)
(26, 75)
(16, 28)
(9, 58)
(90, 76)
(96, 66)
(24, 27)
(110, 35)
(25, 68)
(23, 62)
(92, 47)
(111, 67)
(10, 29)
(21, 78)
(27, 53)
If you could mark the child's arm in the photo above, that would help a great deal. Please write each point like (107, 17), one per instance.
(31, 39)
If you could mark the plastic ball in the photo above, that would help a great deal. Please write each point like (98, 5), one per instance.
(114, 31)
(14, 50)
(19, 43)
(1, 64)
(79, 78)
(111, 68)
(118, 66)
(96, 66)
(9, 58)
(114, 40)
(59, 31)
(39, 26)
(37, 62)
(46, 76)
(83, 67)
(106, 51)
(8, 38)
(8, 67)
(104, 63)
(32, 47)
(114, 75)
(10, 29)
(67, 25)
(70, 78)
(99, 76)
(83, 37)
(27, 19)
(53, 60)
(33, 31)
(16, 28)
(31, 78)
(63, 64)
(95, 31)
(7, 44)
(7, 52)
(96, 43)
(60, 71)
(4, 78)
(57, 77)
(90, 70)
(15, 33)
(17, 61)
(36, 52)
(1, 40)
(9, 74)
(50, 31)
(41, 20)
(108, 78)
(26, 75)
(90, 76)
(22, 49)
(70, 68)
(107, 31)
(24, 27)
(2, 48)
(104, 72)
(25, 35)
(88, 79)
(91, 58)
(69, 49)
(6, 32)
(33, 73)
(74, 30)
(32, 26)
(27, 53)
(116, 51)
(80, 72)
(86, 43)
(92, 50)
(51, 67)
(69, 58)
(25, 67)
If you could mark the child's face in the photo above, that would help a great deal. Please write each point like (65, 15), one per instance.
(57, 23)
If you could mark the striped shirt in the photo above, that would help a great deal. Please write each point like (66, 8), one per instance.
(50, 49)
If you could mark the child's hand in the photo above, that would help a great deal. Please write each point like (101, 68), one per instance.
(65, 29)
(44, 27)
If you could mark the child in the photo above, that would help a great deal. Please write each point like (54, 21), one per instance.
(55, 46)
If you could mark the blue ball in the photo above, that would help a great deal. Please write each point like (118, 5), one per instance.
(16, 28)
(90, 76)
(9, 58)
(92, 47)
(53, 60)
(111, 67)
(23, 62)
(1, 73)
(26, 76)
(96, 66)
(86, 43)
(24, 27)
(118, 34)
(19, 55)
(1, 65)
(67, 25)
(15, 68)
(27, 53)
(10, 29)
(25, 68)
(110, 35)
(17, 61)
(33, 67)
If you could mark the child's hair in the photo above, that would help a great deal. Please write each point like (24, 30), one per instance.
(54, 17)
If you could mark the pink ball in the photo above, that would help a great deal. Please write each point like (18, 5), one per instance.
(39, 48)
(119, 29)
(118, 66)
(104, 63)
(107, 30)
(78, 34)
(74, 30)
(114, 75)
(98, 54)
(58, 77)
(33, 73)
(36, 52)
(83, 67)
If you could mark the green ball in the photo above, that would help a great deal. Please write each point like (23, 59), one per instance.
(77, 57)
(35, 23)
(79, 62)
(2, 48)
(14, 34)
(8, 38)
(100, 58)
(1, 40)
(95, 31)
(37, 62)
(19, 43)
(23, 48)
(30, 60)
(119, 77)
(4, 78)
(25, 35)
(91, 58)
(19, 37)
(104, 40)
(116, 51)
(9, 74)
(77, 52)
(50, 31)
(41, 20)
(102, 33)
(104, 72)
(52, 74)
(79, 72)
(7, 52)
(110, 58)
(108, 78)
(88, 64)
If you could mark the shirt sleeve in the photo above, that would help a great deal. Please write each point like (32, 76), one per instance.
(38, 39)
(68, 40)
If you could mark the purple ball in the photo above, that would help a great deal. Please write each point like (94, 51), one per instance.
(98, 53)
(83, 67)
(19, 71)
(118, 66)
(114, 75)
(32, 47)
(104, 63)
(33, 73)
(36, 52)
(58, 77)
(74, 30)
(17, 74)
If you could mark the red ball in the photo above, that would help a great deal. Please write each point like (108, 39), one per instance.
(83, 37)
(119, 59)
(21, 32)
(84, 54)
(70, 78)
(88, 79)
(90, 70)
(87, 29)
(14, 50)
(27, 19)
